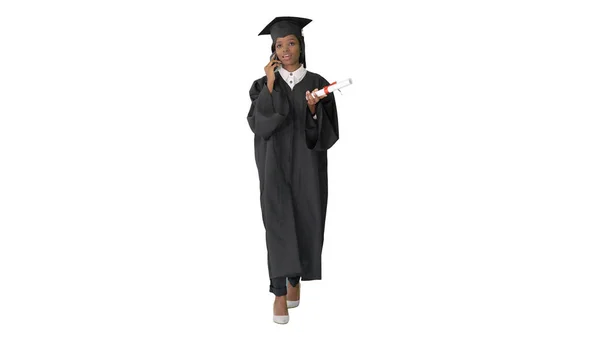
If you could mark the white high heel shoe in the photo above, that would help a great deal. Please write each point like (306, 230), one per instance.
(280, 319)
(293, 304)
(283, 319)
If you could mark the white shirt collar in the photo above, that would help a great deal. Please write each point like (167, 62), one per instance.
(292, 78)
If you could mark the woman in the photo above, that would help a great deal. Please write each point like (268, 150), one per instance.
(293, 132)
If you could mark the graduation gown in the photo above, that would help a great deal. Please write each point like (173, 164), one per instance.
(291, 158)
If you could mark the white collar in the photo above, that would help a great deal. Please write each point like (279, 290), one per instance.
(291, 78)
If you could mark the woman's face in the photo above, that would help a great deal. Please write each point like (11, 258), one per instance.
(288, 50)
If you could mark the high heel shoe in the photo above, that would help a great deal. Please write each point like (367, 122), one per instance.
(282, 319)
(294, 304)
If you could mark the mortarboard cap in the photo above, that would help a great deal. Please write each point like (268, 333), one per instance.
(285, 25)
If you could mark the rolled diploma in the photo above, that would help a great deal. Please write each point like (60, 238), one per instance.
(332, 87)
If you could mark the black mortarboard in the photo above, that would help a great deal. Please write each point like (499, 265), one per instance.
(285, 25)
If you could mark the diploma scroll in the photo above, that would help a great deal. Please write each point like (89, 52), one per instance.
(332, 87)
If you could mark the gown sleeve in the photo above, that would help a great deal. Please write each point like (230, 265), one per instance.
(268, 110)
(323, 132)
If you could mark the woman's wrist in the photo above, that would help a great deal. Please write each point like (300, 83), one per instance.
(270, 86)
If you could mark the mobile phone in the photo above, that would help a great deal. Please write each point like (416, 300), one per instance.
(275, 58)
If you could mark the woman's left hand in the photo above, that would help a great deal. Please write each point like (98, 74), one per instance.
(312, 101)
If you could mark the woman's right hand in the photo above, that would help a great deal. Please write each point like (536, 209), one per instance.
(270, 71)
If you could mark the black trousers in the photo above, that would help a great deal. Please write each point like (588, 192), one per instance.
(278, 286)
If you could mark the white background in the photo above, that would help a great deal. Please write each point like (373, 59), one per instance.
(464, 189)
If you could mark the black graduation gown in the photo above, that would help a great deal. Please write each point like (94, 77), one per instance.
(291, 157)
